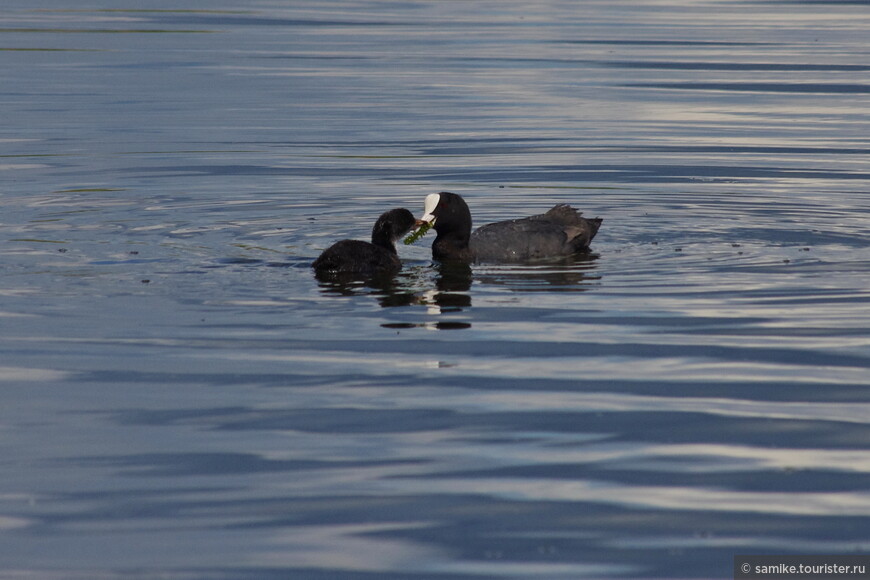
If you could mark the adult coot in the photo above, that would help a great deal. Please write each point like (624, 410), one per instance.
(560, 232)
(364, 259)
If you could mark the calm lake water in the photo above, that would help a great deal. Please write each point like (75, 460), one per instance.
(181, 399)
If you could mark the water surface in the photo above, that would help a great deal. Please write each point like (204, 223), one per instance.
(180, 397)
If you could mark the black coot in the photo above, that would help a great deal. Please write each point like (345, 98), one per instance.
(364, 259)
(560, 232)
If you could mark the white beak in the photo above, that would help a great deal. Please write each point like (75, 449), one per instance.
(429, 206)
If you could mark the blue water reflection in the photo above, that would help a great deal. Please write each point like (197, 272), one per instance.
(181, 398)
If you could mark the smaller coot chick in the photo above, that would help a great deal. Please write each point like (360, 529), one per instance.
(364, 259)
(560, 232)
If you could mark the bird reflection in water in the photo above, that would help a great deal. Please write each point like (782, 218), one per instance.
(450, 284)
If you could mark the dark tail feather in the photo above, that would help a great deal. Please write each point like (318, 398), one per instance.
(580, 236)
(595, 223)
